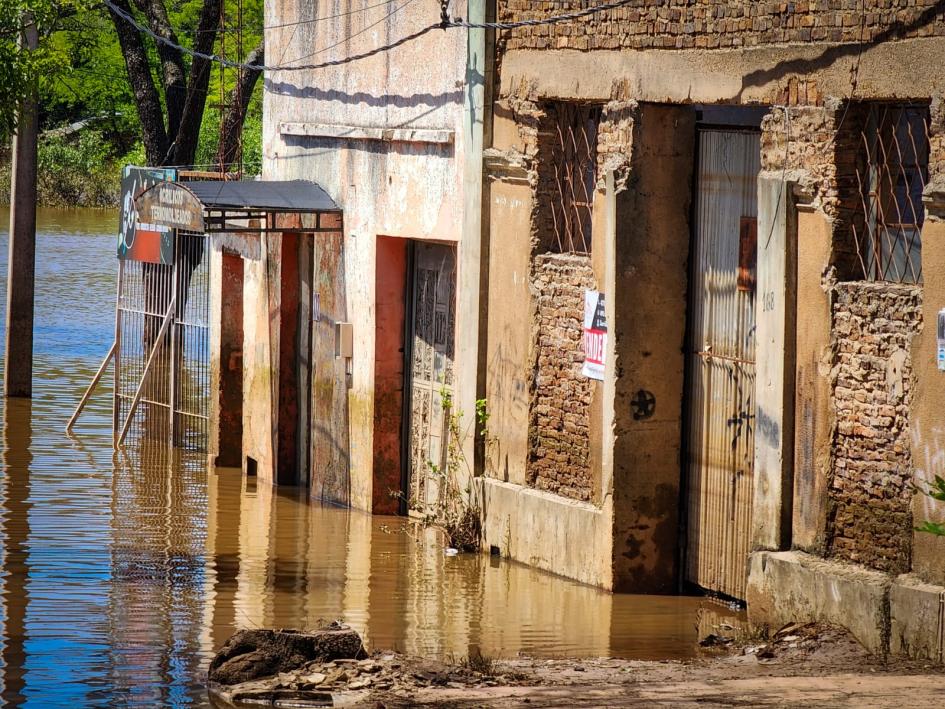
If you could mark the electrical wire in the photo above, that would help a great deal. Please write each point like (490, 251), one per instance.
(282, 25)
(359, 32)
(443, 25)
(567, 17)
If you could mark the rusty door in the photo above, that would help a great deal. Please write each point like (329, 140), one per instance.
(432, 313)
(721, 361)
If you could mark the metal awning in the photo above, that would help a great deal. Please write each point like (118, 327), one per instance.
(229, 206)
(283, 196)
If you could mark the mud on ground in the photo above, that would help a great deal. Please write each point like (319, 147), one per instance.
(802, 665)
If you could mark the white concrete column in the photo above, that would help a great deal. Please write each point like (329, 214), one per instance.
(775, 310)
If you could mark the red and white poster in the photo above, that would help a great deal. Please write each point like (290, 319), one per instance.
(595, 335)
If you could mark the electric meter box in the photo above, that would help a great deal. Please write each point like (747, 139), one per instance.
(940, 331)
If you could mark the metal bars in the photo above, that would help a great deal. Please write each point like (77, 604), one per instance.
(573, 173)
(170, 398)
(890, 176)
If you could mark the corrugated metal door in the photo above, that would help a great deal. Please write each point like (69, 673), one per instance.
(721, 402)
(431, 370)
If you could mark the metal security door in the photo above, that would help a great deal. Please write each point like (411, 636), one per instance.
(721, 402)
(431, 370)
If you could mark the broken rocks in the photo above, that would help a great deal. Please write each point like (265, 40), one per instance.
(270, 670)
(253, 654)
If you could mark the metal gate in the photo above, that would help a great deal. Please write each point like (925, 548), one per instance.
(721, 363)
(162, 353)
(431, 370)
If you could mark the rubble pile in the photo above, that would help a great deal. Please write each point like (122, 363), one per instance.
(390, 679)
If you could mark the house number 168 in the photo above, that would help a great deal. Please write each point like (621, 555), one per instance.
(767, 301)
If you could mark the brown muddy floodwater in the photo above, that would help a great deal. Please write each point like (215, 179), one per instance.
(123, 573)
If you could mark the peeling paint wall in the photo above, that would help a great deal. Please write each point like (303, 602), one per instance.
(329, 126)
(652, 250)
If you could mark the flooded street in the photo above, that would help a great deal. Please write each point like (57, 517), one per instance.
(123, 573)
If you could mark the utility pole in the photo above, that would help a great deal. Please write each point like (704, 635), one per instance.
(21, 264)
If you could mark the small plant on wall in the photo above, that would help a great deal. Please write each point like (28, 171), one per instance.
(936, 491)
(456, 510)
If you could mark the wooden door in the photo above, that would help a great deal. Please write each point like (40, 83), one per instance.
(432, 313)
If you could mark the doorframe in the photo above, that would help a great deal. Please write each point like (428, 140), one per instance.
(406, 462)
(409, 312)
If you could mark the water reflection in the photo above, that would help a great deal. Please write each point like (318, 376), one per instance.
(123, 573)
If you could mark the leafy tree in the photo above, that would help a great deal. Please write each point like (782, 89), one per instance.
(94, 64)
(20, 69)
(170, 88)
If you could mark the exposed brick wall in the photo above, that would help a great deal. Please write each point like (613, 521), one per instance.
(869, 514)
(559, 428)
(711, 24)
(823, 144)
(615, 140)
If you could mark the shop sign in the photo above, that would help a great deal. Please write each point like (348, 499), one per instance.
(170, 204)
(139, 240)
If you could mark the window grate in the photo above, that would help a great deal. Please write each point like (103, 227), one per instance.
(573, 174)
(890, 176)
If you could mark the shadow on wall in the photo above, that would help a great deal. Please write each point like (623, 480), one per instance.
(898, 30)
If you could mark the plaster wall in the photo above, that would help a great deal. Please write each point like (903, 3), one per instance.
(258, 381)
(928, 397)
(766, 75)
(509, 340)
(651, 250)
(385, 137)
(774, 367)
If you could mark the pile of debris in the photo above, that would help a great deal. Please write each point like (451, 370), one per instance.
(329, 667)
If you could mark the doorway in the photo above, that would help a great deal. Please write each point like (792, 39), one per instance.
(428, 370)
(720, 398)
(413, 372)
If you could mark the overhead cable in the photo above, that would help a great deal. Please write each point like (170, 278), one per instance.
(304, 22)
(577, 14)
(457, 23)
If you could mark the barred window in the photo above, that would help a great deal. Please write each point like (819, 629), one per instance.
(891, 173)
(568, 151)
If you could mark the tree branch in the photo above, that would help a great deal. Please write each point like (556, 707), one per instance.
(186, 140)
(172, 62)
(147, 100)
(230, 147)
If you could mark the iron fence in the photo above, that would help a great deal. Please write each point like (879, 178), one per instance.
(162, 365)
(891, 173)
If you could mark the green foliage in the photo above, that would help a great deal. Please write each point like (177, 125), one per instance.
(81, 76)
(81, 172)
(936, 491)
(20, 68)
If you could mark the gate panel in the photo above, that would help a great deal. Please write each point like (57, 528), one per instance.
(173, 397)
(722, 362)
(431, 369)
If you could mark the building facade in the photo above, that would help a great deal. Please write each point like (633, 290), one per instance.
(754, 187)
(684, 255)
(389, 308)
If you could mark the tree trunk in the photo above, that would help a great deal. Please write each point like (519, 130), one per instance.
(230, 147)
(187, 136)
(147, 100)
(172, 63)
